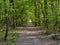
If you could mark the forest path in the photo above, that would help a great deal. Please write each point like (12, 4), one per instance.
(33, 36)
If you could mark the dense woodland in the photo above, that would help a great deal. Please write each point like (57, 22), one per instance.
(17, 13)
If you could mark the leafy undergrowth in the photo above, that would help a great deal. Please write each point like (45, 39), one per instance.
(56, 37)
(48, 32)
(11, 40)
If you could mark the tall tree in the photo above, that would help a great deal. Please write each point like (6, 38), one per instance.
(45, 14)
(7, 20)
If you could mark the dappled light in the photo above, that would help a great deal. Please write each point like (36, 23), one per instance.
(29, 22)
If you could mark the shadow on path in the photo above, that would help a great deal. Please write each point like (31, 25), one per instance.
(33, 36)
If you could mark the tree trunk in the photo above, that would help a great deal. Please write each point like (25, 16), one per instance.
(7, 29)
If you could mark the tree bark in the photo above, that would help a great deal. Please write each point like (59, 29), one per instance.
(7, 29)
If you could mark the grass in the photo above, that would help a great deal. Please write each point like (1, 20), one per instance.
(11, 40)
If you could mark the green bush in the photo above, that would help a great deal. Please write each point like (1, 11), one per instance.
(56, 37)
(49, 32)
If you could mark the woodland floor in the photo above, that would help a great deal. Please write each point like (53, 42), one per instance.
(34, 36)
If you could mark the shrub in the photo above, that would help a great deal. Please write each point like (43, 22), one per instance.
(56, 37)
(48, 32)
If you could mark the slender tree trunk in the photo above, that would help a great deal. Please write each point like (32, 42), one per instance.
(35, 13)
(45, 14)
(58, 14)
(6, 33)
(39, 12)
(13, 19)
(7, 28)
(52, 9)
(35, 17)
(13, 22)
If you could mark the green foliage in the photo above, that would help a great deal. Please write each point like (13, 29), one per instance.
(48, 32)
(12, 37)
(45, 13)
(56, 37)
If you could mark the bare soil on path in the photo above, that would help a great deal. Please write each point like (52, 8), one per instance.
(33, 36)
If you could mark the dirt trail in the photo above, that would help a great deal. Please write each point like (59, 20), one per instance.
(33, 36)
